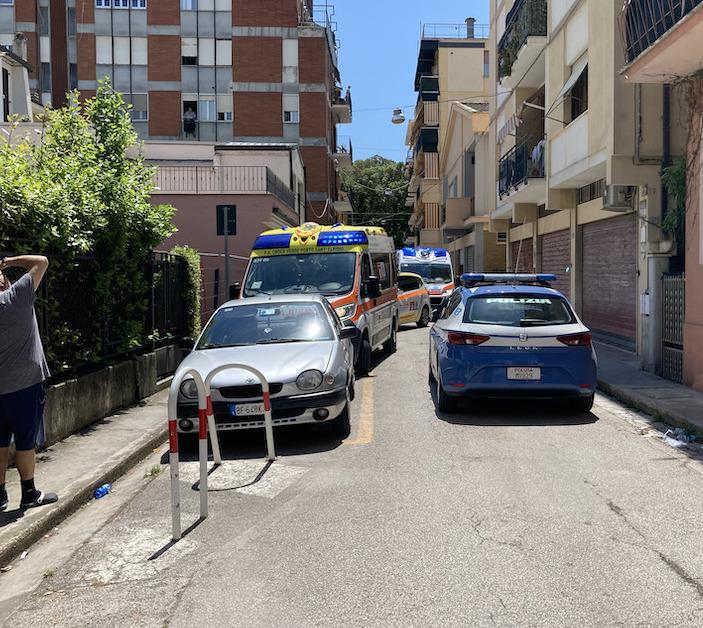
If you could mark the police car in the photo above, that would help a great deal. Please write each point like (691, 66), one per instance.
(511, 335)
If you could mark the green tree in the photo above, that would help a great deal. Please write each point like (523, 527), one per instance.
(377, 189)
(85, 189)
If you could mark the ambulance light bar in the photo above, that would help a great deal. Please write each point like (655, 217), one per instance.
(469, 279)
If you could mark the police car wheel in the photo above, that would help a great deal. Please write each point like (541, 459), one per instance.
(445, 403)
(363, 363)
(582, 404)
(424, 317)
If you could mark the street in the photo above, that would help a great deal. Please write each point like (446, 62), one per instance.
(506, 513)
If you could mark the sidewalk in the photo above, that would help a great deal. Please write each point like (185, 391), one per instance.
(619, 375)
(76, 466)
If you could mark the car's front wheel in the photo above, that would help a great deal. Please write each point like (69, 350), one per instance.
(363, 363)
(582, 404)
(341, 426)
(424, 317)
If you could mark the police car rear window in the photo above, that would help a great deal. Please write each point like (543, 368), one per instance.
(518, 310)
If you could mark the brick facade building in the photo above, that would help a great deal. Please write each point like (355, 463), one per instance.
(250, 71)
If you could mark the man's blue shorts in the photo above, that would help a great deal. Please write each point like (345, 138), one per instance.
(22, 416)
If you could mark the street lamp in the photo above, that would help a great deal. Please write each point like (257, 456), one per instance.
(398, 116)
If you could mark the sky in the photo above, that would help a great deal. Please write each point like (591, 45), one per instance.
(378, 56)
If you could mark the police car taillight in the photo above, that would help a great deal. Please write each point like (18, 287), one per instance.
(577, 340)
(465, 338)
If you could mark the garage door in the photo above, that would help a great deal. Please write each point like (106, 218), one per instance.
(556, 256)
(524, 252)
(469, 266)
(610, 278)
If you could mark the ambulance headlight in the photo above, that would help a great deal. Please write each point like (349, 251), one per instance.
(346, 311)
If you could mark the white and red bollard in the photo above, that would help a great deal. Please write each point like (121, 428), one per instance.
(206, 423)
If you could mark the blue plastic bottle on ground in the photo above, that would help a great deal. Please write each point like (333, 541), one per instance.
(102, 491)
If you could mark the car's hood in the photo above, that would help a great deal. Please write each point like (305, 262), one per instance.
(278, 362)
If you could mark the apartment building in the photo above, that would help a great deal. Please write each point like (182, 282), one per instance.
(663, 44)
(452, 66)
(205, 70)
(578, 159)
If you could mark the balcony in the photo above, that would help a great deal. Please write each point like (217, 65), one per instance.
(663, 40)
(342, 108)
(522, 44)
(222, 180)
(455, 214)
(343, 153)
(466, 30)
(517, 167)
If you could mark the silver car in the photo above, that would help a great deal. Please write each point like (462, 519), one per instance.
(300, 346)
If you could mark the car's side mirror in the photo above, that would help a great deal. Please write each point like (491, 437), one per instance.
(373, 287)
(235, 290)
(349, 332)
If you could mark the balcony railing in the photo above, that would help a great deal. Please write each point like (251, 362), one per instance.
(522, 162)
(643, 22)
(527, 18)
(222, 180)
(455, 31)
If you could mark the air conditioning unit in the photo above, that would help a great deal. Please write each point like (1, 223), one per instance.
(618, 198)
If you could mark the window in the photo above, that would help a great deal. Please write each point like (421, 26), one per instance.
(578, 97)
(224, 108)
(139, 4)
(71, 21)
(72, 76)
(452, 304)
(121, 51)
(140, 107)
(189, 5)
(189, 51)
(102, 4)
(43, 20)
(206, 109)
(206, 51)
(223, 5)
(406, 284)
(6, 1)
(103, 50)
(518, 310)
(45, 78)
(452, 188)
(120, 4)
(486, 63)
(223, 51)
(291, 108)
(139, 51)
(382, 269)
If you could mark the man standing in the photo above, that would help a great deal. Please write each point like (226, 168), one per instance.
(23, 370)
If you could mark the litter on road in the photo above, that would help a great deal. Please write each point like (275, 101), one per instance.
(678, 438)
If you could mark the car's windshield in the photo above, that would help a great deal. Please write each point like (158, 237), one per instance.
(519, 310)
(269, 323)
(431, 273)
(323, 273)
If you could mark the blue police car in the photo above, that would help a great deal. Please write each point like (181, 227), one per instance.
(511, 335)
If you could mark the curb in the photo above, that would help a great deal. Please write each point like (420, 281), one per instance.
(69, 504)
(658, 413)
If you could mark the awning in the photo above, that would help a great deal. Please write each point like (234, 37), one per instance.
(576, 72)
(509, 127)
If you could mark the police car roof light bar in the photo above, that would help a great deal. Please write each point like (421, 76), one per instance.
(542, 279)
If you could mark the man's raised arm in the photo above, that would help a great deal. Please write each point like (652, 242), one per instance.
(35, 265)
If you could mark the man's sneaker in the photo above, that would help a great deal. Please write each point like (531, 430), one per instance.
(39, 498)
(3, 501)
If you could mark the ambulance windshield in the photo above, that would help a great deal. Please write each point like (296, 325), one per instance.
(317, 273)
(431, 273)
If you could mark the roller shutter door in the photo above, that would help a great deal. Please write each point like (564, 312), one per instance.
(469, 265)
(525, 252)
(610, 278)
(556, 256)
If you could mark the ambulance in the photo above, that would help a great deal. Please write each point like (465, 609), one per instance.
(435, 268)
(354, 267)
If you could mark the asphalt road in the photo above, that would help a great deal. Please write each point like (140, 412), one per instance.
(503, 514)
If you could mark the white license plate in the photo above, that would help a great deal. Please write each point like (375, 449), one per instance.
(524, 373)
(246, 409)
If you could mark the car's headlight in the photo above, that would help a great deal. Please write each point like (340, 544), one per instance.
(309, 380)
(189, 389)
(346, 311)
